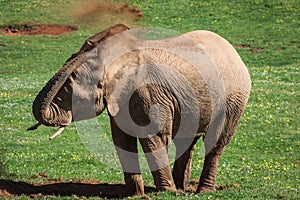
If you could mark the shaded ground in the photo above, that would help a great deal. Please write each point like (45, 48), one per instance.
(87, 188)
(10, 188)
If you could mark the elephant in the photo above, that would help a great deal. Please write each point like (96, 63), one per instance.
(157, 92)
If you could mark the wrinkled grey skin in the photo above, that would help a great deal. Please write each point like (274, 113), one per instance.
(97, 77)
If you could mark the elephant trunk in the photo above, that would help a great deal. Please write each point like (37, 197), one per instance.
(50, 107)
(53, 105)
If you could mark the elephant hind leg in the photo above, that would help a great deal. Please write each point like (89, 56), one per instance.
(183, 161)
(214, 152)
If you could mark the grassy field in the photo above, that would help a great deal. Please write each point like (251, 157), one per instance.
(262, 160)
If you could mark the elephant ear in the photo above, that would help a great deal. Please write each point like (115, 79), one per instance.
(51, 93)
(122, 77)
(93, 41)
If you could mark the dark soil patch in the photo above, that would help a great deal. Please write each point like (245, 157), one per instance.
(251, 49)
(36, 29)
(243, 46)
(257, 49)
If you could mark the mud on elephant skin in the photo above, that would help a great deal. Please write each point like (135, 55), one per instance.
(175, 89)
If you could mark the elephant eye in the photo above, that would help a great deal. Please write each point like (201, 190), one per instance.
(77, 102)
(78, 82)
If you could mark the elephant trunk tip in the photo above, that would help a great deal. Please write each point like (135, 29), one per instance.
(34, 126)
(57, 133)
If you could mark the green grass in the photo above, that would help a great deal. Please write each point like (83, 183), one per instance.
(263, 157)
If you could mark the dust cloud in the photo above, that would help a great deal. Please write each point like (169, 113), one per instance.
(103, 13)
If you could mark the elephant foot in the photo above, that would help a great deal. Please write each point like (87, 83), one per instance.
(166, 185)
(202, 189)
(135, 184)
(174, 191)
(137, 190)
(168, 188)
(180, 192)
(145, 197)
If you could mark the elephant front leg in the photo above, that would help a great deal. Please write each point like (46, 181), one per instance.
(126, 147)
(157, 157)
(182, 166)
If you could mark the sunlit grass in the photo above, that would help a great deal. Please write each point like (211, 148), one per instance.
(262, 160)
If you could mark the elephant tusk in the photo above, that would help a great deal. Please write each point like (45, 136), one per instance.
(57, 133)
(34, 126)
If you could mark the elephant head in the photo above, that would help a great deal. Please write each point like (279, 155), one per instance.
(76, 87)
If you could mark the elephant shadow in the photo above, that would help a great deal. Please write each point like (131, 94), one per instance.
(59, 188)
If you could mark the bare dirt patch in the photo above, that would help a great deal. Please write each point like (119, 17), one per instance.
(251, 49)
(243, 46)
(36, 29)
